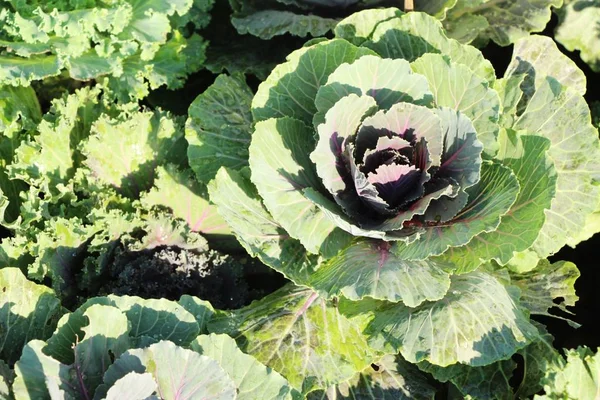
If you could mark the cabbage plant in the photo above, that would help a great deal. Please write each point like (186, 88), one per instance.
(411, 193)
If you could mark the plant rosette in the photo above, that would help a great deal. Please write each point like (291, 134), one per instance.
(391, 167)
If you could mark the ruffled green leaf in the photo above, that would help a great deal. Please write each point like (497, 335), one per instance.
(307, 341)
(123, 152)
(27, 311)
(269, 23)
(456, 87)
(281, 168)
(19, 109)
(391, 378)
(252, 379)
(368, 268)
(477, 323)
(176, 190)
(262, 237)
(219, 126)
(291, 88)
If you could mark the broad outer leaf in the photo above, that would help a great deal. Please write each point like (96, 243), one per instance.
(132, 386)
(415, 34)
(388, 81)
(306, 339)
(368, 268)
(268, 23)
(219, 126)
(291, 88)
(539, 57)
(507, 21)
(202, 310)
(574, 16)
(27, 311)
(562, 115)
(101, 343)
(542, 288)
(487, 382)
(262, 237)
(281, 169)
(178, 373)
(488, 201)
(391, 378)
(477, 323)
(455, 86)
(359, 27)
(520, 226)
(252, 379)
(181, 193)
(38, 375)
(159, 319)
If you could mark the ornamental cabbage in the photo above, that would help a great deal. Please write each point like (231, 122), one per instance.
(389, 165)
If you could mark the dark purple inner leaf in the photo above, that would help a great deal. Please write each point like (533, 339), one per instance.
(394, 182)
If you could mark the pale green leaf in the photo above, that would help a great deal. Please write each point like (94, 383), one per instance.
(219, 126)
(508, 21)
(455, 86)
(178, 191)
(578, 379)
(415, 34)
(177, 372)
(388, 81)
(27, 311)
(538, 57)
(391, 378)
(368, 268)
(359, 27)
(291, 88)
(252, 379)
(543, 287)
(39, 376)
(307, 340)
(488, 201)
(133, 386)
(520, 226)
(477, 323)
(574, 16)
(262, 237)
(561, 114)
(123, 152)
(281, 168)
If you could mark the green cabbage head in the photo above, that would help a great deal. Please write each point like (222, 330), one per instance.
(391, 162)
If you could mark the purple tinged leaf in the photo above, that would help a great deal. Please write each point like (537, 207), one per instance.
(461, 158)
(394, 182)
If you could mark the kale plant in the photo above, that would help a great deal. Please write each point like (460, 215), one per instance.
(413, 197)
